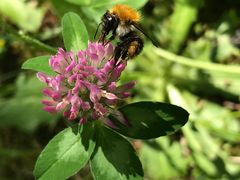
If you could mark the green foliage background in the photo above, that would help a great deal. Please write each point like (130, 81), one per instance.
(197, 67)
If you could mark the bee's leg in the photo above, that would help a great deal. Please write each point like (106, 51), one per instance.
(121, 53)
(109, 40)
(102, 38)
(118, 52)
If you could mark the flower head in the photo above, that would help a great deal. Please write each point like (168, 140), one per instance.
(85, 85)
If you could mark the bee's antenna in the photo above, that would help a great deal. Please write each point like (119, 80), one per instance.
(155, 43)
(97, 30)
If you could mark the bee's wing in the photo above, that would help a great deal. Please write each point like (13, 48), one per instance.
(138, 27)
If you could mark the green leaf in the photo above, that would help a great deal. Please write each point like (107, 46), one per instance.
(185, 13)
(205, 164)
(66, 153)
(80, 2)
(63, 7)
(151, 119)
(24, 109)
(23, 14)
(153, 155)
(75, 35)
(108, 3)
(134, 4)
(114, 158)
(40, 63)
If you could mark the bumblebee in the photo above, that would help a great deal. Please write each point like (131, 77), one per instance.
(122, 22)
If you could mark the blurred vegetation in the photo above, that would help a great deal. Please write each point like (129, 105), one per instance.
(197, 67)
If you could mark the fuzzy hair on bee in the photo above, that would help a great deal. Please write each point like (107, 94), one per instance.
(122, 22)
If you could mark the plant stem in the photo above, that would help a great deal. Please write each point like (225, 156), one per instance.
(14, 153)
(197, 63)
(36, 43)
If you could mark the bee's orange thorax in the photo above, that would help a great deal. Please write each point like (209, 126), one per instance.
(125, 13)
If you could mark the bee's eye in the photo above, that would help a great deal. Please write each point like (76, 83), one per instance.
(109, 18)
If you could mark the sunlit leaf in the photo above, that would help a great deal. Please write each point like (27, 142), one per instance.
(80, 2)
(108, 3)
(185, 13)
(22, 13)
(115, 158)
(66, 153)
(40, 63)
(75, 35)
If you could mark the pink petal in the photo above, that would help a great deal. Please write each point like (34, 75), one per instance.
(72, 78)
(66, 113)
(101, 76)
(71, 66)
(51, 93)
(120, 117)
(117, 71)
(124, 95)
(112, 101)
(72, 116)
(109, 95)
(109, 123)
(85, 106)
(59, 61)
(108, 67)
(110, 49)
(89, 69)
(100, 109)
(100, 51)
(125, 87)
(82, 120)
(95, 115)
(62, 105)
(50, 109)
(48, 103)
(42, 77)
(111, 86)
(56, 82)
(81, 56)
(95, 93)
(75, 102)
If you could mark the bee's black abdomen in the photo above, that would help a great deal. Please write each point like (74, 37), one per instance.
(130, 46)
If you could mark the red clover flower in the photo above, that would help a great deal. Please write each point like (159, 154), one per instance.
(85, 85)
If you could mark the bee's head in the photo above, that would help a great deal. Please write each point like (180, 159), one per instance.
(109, 23)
